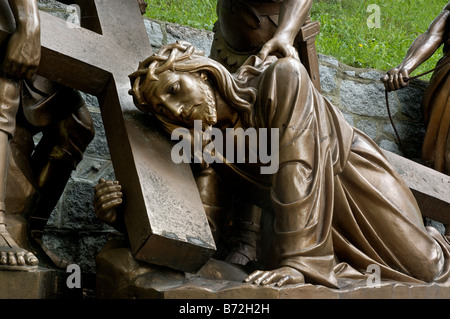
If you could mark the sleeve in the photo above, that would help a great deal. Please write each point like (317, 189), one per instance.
(303, 186)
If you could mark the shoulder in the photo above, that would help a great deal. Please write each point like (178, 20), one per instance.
(284, 77)
(288, 66)
(288, 63)
(281, 74)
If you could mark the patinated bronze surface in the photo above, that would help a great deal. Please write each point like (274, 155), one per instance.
(121, 276)
(324, 162)
(37, 174)
(265, 27)
(435, 104)
(338, 205)
(163, 215)
(20, 58)
(430, 188)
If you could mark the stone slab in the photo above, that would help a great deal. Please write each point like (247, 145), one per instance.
(37, 284)
(120, 276)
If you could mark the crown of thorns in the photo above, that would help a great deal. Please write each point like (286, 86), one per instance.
(158, 63)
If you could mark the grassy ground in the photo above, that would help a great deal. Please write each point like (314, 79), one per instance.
(345, 33)
(195, 13)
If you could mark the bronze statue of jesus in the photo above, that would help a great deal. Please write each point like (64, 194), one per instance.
(338, 204)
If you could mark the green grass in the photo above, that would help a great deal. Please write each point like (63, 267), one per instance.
(346, 36)
(344, 31)
(199, 14)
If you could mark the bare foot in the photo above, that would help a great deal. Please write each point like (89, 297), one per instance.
(12, 257)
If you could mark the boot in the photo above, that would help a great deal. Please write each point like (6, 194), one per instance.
(247, 236)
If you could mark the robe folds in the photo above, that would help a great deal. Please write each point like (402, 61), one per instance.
(339, 206)
(436, 113)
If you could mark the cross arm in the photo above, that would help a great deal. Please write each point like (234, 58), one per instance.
(163, 213)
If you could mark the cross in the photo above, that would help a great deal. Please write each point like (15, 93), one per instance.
(430, 188)
(307, 49)
(163, 213)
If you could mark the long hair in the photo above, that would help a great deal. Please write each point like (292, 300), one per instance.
(183, 57)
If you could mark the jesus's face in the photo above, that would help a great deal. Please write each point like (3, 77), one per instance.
(182, 98)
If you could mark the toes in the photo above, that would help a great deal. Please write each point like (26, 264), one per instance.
(3, 258)
(31, 259)
(12, 260)
(20, 259)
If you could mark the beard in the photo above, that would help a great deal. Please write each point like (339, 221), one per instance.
(205, 110)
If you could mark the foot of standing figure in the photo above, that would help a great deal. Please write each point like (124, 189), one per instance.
(13, 257)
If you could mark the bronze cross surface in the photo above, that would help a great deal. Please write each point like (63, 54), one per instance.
(165, 219)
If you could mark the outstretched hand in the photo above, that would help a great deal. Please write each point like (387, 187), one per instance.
(280, 277)
(107, 197)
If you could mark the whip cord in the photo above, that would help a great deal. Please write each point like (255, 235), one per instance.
(407, 79)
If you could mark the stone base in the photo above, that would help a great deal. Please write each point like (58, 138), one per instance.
(37, 284)
(119, 275)
(42, 282)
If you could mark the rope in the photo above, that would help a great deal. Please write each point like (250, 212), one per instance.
(392, 122)
(407, 79)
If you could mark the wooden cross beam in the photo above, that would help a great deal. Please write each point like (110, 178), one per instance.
(308, 52)
(430, 188)
(163, 212)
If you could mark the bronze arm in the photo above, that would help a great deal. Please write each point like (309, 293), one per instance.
(23, 51)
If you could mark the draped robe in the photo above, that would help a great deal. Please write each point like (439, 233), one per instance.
(436, 111)
(339, 205)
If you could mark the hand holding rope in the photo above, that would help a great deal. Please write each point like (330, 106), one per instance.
(385, 80)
